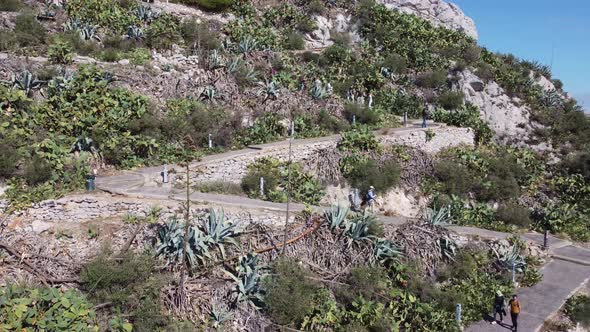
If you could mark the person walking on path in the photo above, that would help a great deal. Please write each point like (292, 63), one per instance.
(514, 311)
(371, 198)
(499, 307)
(424, 116)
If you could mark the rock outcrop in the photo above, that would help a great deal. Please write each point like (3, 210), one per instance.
(438, 12)
(505, 116)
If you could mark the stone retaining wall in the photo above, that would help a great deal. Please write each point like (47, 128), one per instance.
(83, 208)
(233, 169)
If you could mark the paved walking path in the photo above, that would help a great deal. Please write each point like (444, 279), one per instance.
(562, 276)
(561, 279)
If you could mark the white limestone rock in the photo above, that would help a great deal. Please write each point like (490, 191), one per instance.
(504, 116)
(438, 12)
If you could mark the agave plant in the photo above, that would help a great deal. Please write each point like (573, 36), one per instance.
(49, 10)
(84, 144)
(336, 216)
(106, 77)
(146, 14)
(215, 60)
(233, 65)
(209, 93)
(438, 217)
(448, 248)
(509, 257)
(247, 45)
(247, 277)
(60, 82)
(218, 316)
(88, 32)
(384, 251)
(73, 24)
(318, 91)
(24, 81)
(134, 33)
(269, 89)
(218, 231)
(171, 238)
(359, 228)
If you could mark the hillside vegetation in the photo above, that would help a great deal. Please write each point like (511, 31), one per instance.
(109, 93)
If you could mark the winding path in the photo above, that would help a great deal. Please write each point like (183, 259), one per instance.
(562, 276)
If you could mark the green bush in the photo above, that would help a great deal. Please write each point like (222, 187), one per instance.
(366, 281)
(10, 5)
(294, 41)
(219, 187)
(334, 54)
(37, 171)
(129, 284)
(266, 128)
(358, 139)
(110, 55)
(114, 15)
(10, 159)
(139, 56)
(432, 80)
(60, 52)
(263, 168)
(395, 63)
(485, 71)
(199, 35)
(163, 32)
(455, 178)
(316, 7)
(366, 173)
(290, 293)
(361, 113)
(44, 309)
(210, 5)
(28, 31)
(309, 56)
(577, 308)
(471, 54)
(514, 214)
(451, 100)
(7, 40)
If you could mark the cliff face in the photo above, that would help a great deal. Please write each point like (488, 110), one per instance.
(437, 11)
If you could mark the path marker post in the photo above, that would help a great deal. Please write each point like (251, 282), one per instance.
(405, 119)
(458, 313)
(353, 119)
(210, 142)
(261, 186)
(513, 273)
(545, 239)
(165, 174)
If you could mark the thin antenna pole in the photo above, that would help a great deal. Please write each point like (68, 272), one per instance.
(288, 187)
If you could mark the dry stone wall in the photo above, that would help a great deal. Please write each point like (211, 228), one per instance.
(83, 208)
(234, 168)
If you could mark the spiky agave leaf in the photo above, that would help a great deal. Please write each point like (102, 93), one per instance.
(247, 45)
(218, 231)
(215, 60)
(269, 89)
(359, 228)
(209, 93)
(438, 217)
(384, 251)
(247, 277)
(233, 65)
(448, 248)
(134, 33)
(336, 216)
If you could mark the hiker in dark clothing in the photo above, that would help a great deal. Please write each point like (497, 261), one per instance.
(499, 307)
(514, 311)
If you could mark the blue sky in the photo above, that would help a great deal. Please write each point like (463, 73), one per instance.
(531, 28)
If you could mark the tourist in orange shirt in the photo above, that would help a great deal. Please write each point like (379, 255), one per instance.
(514, 311)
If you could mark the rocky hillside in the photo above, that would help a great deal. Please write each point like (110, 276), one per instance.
(117, 85)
